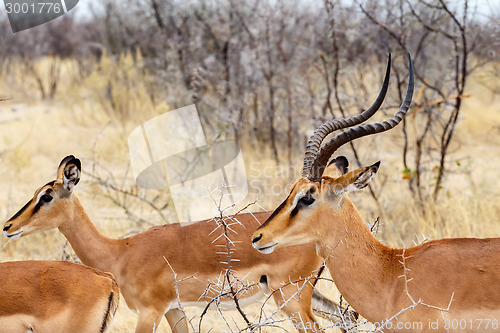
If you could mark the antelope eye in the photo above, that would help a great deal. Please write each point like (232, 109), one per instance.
(307, 199)
(46, 198)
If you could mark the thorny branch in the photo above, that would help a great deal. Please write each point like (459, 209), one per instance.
(179, 304)
(414, 303)
(230, 286)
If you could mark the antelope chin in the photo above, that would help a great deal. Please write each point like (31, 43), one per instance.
(265, 249)
(14, 236)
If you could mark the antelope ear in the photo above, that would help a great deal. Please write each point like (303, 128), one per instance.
(342, 164)
(353, 181)
(337, 167)
(366, 176)
(69, 172)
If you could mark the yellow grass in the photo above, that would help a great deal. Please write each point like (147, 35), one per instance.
(36, 135)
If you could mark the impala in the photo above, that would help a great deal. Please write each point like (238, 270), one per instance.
(55, 297)
(152, 267)
(440, 284)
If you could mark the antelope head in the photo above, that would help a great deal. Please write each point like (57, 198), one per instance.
(46, 210)
(320, 197)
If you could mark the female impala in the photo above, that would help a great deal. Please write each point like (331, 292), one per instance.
(144, 264)
(55, 297)
(439, 286)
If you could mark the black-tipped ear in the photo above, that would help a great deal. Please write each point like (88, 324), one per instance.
(69, 172)
(364, 178)
(70, 159)
(342, 164)
(375, 166)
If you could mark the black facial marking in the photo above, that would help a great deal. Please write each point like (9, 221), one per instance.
(46, 198)
(305, 201)
(276, 211)
(16, 215)
(37, 207)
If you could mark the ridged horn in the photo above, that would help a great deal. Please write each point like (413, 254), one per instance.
(314, 144)
(327, 150)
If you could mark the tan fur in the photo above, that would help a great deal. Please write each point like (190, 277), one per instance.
(55, 297)
(462, 274)
(140, 266)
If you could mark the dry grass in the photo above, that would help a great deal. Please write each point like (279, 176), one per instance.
(36, 134)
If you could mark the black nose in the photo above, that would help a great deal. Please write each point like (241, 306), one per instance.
(7, 227)
(256, 239)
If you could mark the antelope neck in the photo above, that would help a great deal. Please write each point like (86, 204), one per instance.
(93, 248)
(365, 271)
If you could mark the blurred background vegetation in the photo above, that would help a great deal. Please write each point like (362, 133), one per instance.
(263, 74)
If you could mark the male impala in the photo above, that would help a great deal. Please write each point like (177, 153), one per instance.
(144, 264)
(55, 297)
(439, 286)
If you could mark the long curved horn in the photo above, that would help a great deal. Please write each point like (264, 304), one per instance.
(351, 134)
(314, 144)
